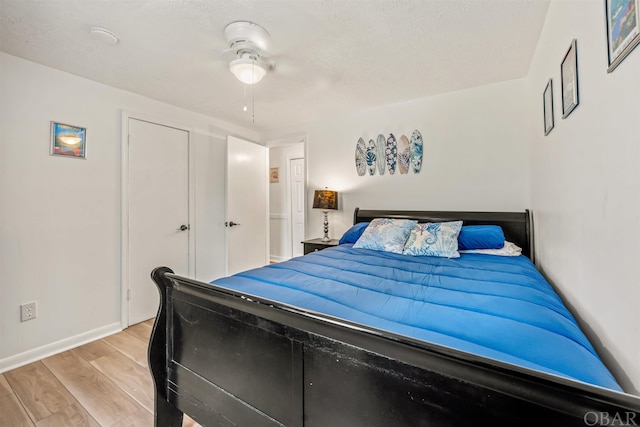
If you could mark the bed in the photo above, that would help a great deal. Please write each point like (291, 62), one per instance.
(430, 341)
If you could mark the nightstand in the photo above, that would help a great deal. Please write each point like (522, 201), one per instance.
(314, 245)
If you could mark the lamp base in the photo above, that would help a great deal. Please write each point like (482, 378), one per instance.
(326, 226)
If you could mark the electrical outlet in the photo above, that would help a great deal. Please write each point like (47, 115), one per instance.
(28, 311)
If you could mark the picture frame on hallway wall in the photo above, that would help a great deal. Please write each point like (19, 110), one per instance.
(569, 80)
(68, 141)
(623, 29)
(547, 106)
(274, 175)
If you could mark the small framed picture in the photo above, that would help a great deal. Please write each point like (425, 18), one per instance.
(547, 105)
(569, 80)
(274, 175)
(623, 29)
(68, 141)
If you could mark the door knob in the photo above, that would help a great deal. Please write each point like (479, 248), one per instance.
(231, 224)
(183, 227)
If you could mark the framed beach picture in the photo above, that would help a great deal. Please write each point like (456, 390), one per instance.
(623, 29)
(68, 141)
(569, 80)
(547, 106)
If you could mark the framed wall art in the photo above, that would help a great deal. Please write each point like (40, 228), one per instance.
(68, 141)
(569, 80)
(623, 29)
(547, 106)
(274, 175)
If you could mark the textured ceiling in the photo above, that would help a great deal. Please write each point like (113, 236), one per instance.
(332, 56)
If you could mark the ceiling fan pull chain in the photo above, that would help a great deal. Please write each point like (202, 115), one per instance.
(245, 98)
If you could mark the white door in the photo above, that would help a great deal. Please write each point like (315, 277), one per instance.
(247, 205)
(158, 210)
(296, 167)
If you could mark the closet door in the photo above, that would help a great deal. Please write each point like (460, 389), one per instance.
(159, 232)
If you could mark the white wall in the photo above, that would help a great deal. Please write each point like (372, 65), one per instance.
(585, 179)
(475, 156)
(60, 228)
(279, 200)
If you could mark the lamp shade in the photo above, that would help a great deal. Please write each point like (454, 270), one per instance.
(325, 199)
(247, 70)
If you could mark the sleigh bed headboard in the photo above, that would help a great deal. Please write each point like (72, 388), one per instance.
(516, 225)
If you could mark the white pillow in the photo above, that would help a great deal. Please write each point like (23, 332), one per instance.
(434, 239)
(385, 234)
(509, 249)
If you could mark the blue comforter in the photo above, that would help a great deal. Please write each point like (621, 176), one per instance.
(493, 306)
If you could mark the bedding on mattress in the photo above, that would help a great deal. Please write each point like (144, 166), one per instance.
(498, 307)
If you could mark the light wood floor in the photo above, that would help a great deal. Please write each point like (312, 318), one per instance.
(104, 383)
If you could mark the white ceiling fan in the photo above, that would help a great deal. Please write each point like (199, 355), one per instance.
(248, 51)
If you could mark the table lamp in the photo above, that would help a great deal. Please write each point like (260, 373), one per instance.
(325, 200)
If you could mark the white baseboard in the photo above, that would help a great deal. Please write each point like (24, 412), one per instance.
(21, 359)
(276, 259)
(279, 216)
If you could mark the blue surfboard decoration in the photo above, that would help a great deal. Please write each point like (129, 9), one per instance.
(371, 157)
(361, 157)
(381, 143)
(416, 151)
(391, 152)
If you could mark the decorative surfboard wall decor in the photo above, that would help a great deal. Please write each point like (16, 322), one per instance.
(416, 151)
(391, 153)
(371, 157)
(381, 143)
(361, 157)
(388, 154)
(404, 154)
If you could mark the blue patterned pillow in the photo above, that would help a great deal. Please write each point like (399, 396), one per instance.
(434, 239)
(386, 234)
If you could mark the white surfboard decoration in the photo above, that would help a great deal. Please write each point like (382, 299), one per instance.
(416, 151)
(391, 152)
(404, 154)
(361, 157)
(380, 157)
(371, 157)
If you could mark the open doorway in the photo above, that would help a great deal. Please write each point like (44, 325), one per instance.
(287, 183)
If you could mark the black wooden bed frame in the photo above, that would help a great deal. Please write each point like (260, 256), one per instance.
(227, 358)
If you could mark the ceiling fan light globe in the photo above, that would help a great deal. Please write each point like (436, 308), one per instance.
(247, 71)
